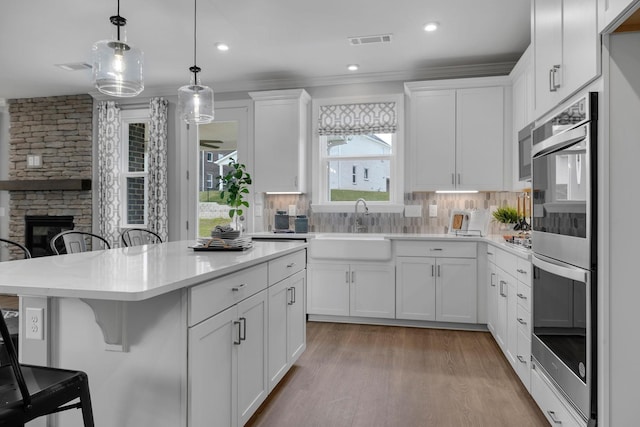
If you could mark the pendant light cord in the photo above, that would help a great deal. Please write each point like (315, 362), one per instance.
(195, 29)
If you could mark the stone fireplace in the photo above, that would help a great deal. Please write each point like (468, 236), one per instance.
(50, 161)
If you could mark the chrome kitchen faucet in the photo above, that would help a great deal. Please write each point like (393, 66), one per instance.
(358, 227)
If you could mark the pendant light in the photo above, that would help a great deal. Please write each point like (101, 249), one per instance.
(117, 66)
(194, 100)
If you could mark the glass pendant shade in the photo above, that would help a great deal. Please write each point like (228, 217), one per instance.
(117, 68)
(195, 102)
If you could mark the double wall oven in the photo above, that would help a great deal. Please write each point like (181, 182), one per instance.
(564, 235)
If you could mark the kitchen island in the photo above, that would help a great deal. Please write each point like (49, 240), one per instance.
(135, 319)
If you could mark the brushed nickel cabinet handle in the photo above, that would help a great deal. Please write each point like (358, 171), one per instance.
(521, 321)
(291, 265)
(554, 418)
(521, 359)
(239, 287)
(521, 296)
(239, 340)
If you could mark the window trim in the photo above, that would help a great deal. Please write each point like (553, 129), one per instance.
(127, 117)
(318, 179)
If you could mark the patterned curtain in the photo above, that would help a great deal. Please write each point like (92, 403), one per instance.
(108, 171)
(158, 217)
(358, 119)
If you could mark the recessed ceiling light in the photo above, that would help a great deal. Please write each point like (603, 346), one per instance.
(223, 47)
(431, 26)
(353, 67)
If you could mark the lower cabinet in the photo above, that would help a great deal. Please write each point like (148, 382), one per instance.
(287, 331)
(246, 331)
(353, 289)
(228, 364)
(509, 305)
(550, 402)
(436, 289)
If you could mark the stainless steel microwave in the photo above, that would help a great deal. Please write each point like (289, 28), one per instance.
(524, 153)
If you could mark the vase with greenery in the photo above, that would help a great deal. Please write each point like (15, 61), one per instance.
(506, 215)
(235, 186)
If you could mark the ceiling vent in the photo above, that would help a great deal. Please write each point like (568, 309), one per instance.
(74, 66)
(382, 38)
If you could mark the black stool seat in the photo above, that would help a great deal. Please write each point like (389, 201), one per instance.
(28, 392)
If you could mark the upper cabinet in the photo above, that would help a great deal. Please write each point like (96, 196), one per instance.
(566, 49)
(457, 130)
(281, 124)
(523, 111)
(609, 11)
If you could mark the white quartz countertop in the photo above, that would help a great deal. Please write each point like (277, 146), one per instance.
(131, 274)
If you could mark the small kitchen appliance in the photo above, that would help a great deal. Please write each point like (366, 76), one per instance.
(281, 221)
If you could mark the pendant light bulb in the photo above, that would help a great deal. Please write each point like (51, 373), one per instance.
(117, 66)
(195, 101)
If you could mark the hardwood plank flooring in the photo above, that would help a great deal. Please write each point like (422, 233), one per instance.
(379, 376)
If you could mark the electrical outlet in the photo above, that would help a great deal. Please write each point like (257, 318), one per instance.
(34, 326)
(433, 211)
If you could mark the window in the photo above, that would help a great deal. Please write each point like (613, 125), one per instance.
(358, 154)
(134, 175)
(209, 157)
(209, 181)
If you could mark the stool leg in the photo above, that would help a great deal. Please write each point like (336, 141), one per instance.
(85, 401)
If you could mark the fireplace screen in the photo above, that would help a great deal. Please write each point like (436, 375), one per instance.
(39, 230)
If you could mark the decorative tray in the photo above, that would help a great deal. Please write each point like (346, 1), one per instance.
(217, 244)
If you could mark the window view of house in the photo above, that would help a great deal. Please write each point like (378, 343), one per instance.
(358, 166)
(217, 146)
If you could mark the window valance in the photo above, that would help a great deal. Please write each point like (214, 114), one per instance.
(357, 119)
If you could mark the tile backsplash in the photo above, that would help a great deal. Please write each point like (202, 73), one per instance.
(390, 222)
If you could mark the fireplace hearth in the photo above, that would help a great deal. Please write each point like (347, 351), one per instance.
(40, 229)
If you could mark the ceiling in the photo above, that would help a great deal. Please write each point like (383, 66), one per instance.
(273, 43)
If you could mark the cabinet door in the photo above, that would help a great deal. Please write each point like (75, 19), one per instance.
(512, 323)
(610, 10)
(213, 371)
(547, 32)
(278, 361)
(433, 138)
(456, 290)
(580, 41)
(415, 288)
(492, 298)
(296, 316)
(480, 138)
(524, 359)
(373, 292)
(252, 355)
(501, 318)
(328, 289)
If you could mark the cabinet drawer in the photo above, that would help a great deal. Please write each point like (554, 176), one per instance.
(524, 359)
(210, 298)
(523, 317)
(491, 254)
(524, 271)
(285, 266)
(436, 249)
(506, 261)
(524, 296)
(552, 407)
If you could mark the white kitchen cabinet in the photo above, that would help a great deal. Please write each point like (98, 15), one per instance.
(280, 128)
(354, 289)
(442, 287)
(512, 328)
(457, 131)
(287, 331)
(522, 77)
(566, 49)
(228, 361)
(415, 288)
(610, 11)
(492, 292)
(552, 404)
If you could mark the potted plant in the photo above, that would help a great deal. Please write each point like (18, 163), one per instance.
(235, 186)
(506, 215)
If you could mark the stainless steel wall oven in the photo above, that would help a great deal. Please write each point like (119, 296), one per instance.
(563, 342)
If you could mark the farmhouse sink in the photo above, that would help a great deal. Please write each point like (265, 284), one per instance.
(360, 247)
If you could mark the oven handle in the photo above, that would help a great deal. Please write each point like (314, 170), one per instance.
(561, 140)
(562, 270)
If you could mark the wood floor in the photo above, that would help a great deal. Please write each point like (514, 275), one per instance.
(377, 376)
